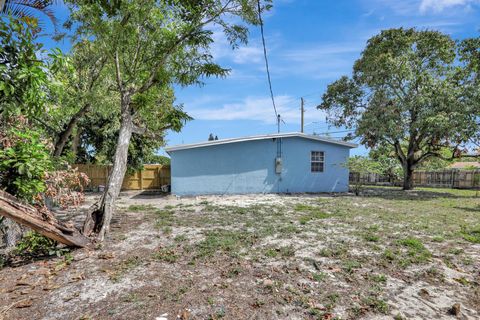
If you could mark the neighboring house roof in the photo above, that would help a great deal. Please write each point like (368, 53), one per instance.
(260, 137)
(463, 165)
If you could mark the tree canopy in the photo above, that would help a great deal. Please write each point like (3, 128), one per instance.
(149, 47)
(22, 72)
(412, 91)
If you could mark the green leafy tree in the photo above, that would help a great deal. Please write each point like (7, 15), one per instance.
(27, 93)
(469, 52)
(151, 46)
(158, 159)
(408, 92)
(54, 92)
(22, 74)
(78, 87)
(97, 140)
(387, 162)
(24, 156)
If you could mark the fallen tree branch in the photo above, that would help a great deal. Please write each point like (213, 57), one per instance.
(44, 223)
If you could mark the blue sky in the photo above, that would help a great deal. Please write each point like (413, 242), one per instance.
(310, 44)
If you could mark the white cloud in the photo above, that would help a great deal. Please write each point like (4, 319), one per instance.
(222, 49)
(321, 51)
(424, 7)
(440, 5)
(252, 108)
(199, 100)
(249, 55)
(320, 62)
(403, 7)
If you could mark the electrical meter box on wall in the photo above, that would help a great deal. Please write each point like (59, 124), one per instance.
(278, 165)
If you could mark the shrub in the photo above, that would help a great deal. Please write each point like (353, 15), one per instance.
(361, 166)
(34, 244)
(24, 160)
(65, 187)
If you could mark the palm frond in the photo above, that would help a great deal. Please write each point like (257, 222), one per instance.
(27, 8)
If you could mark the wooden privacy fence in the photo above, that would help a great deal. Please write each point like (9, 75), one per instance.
(153, 176)
(461, 179)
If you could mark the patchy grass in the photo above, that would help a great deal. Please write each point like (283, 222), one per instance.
(312, 213)
(319, 276)
(376, 304)
(141, 208)
(282, 252)
(349, 266)
(326, 254)
(471, 235)
(224, 242)
(385, 254)
(371, 237)
(379, 278)
(123, 268)
(165, 255)
(336, 251)
(415, 252)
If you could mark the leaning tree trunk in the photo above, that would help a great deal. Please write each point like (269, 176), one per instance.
(100, 215)
(41, 221)
(66, 133)
(76, 142)
(407, 177)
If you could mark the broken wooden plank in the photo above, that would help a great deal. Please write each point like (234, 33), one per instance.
(43, 222)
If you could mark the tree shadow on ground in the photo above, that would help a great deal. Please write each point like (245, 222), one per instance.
(150, 194)
(475, 210)
(11, 260)
(415, 194)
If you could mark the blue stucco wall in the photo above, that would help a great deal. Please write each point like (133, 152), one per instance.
(249, 167)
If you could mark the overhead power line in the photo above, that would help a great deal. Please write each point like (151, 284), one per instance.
(341, 131)
(294, 100)
(266, 59)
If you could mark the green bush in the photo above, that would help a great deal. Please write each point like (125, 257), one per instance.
(34, 244)
(23, 164)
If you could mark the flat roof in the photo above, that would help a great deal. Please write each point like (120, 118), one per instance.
(260, 137)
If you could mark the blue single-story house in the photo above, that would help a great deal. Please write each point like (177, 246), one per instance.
(273, 163)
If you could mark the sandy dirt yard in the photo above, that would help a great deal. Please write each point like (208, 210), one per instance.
(385, 255)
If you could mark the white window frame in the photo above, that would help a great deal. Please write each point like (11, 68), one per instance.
(318, 158)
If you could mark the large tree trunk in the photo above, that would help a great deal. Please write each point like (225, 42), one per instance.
(43, 222)
(407, 177)
(66, 133)
(76, 142)
(100, 215)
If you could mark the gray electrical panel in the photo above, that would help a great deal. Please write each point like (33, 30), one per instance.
(278, 165)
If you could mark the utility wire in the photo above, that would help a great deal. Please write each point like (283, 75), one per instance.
(342, 131)
(293, 100)
(266, 58)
